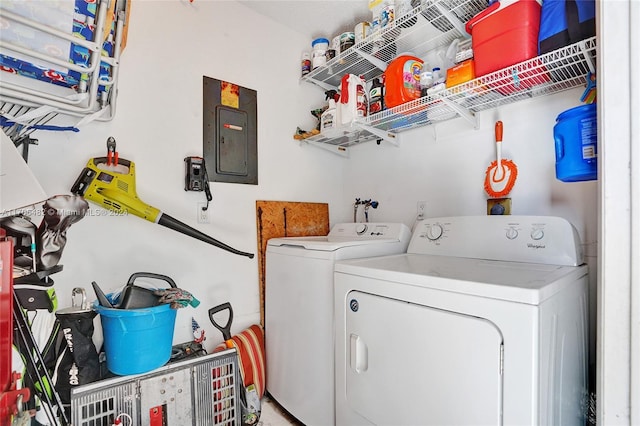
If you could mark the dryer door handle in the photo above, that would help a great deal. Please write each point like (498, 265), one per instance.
(358, 354)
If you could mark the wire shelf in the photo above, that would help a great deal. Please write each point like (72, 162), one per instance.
(426, 27)
(548, 74)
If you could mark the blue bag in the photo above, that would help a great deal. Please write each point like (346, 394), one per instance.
(563, 22)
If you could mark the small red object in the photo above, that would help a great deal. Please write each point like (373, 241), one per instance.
(112, 154)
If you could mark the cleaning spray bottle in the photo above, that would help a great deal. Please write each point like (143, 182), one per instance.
(330, 119)
(353, 99)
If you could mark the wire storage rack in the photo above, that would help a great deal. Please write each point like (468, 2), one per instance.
(429, 26)
(28, 104)
(550, 73)
(203, 391)
(426, 27)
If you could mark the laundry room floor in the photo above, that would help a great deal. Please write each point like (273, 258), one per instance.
(274, 415)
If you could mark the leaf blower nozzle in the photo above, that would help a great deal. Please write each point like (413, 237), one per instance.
(114, 188)
(176, 225)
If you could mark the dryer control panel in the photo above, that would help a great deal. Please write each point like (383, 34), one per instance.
(532, 239)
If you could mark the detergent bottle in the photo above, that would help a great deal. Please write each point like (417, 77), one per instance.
(402, 80)
(353, 99)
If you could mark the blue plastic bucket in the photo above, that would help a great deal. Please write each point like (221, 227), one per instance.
(136, 340)
(576, 137)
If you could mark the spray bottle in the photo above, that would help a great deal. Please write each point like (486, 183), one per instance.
(353, 99)
(330, 119)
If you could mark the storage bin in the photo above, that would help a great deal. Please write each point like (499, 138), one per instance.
(504, 34)
(576, 137)
(136, 340)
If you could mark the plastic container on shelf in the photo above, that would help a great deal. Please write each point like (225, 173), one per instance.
(402, 80)
(460, 73)
(437, 76)
(361, 31)
(504, 34)
(330, 120)
(353, 99)
(319, 52)
(382, 14)
(576, 140)
(305, 63)
(376, 95)
(347, 39)
(426, 81)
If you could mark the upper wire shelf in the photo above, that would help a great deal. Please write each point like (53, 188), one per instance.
(426, 27)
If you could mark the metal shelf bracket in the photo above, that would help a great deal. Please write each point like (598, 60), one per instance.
(336, 149)
(463, 112)
(381, 134)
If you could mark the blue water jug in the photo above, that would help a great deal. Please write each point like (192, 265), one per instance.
(576, 140)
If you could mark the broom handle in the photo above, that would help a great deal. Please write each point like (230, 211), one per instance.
(499, 128)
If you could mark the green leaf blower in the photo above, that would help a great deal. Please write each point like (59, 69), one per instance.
(114, 188)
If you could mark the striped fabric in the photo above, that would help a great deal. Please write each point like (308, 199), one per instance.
(250, 346)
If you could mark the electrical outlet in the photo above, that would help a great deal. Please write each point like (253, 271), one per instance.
(203, 215)
(422, 209)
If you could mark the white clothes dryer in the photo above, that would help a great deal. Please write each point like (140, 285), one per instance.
(299, 311)
(482, 322)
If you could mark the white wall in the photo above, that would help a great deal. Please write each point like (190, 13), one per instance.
(172, 44)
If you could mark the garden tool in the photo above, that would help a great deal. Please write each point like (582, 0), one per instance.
(249, 346)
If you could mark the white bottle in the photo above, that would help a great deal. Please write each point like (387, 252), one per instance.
(330, 120)
(353, 99)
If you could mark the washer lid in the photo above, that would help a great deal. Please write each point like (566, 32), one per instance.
(323, 243)
(349, 235)
(513, 281)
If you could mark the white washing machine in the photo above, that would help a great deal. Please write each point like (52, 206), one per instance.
(482, 322)
(299, 311)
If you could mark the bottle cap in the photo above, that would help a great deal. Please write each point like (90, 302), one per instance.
(319, 41)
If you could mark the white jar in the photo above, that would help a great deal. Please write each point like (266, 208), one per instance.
(318, 54)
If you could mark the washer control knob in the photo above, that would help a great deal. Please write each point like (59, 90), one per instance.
(361, 228)
(512, 233)
(537, 234)
(434, 232)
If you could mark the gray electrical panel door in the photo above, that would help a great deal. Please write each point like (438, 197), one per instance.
(229, 132)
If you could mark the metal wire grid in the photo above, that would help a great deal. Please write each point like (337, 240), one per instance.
(215, 388)
(426, 27)
(101, 407)
(20, 99)
(560, 70)
(216, 400)
(16, 131)
(350, 136)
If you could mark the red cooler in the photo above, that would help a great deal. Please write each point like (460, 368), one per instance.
(504, 34)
